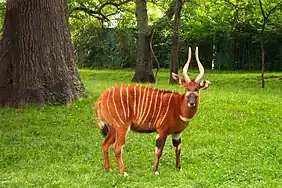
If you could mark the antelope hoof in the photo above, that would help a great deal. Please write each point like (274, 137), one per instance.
(156, 173)
(125, 174)
(108, 169)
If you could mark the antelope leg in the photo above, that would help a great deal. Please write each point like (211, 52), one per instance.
(176, 141)
(160, 141)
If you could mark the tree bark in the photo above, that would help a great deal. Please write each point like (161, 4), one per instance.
(262, 60)
(37, 62)
(143, 72)
(174, 61)
(262, 42)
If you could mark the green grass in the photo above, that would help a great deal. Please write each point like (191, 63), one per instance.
(235, 140)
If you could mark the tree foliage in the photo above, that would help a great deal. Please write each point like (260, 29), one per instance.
(233, 26)
(2, 15)
(105, 47)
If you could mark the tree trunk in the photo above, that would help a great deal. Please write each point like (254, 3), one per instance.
(262, 60)
(143, 72)
(174, 61)
(37, 62)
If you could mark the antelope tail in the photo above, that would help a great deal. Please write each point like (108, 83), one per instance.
(101, 124)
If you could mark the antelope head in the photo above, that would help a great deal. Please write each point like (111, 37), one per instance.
(192, 87)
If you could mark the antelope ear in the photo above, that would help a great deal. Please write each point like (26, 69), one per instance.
(204, 84)
(177, 78)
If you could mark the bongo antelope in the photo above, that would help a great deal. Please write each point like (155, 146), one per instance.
(144, 109)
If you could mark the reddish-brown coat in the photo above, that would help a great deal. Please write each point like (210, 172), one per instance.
(144, 109)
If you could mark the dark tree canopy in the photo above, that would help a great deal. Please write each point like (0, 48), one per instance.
(37, 62)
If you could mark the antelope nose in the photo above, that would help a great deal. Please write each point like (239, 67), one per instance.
(191, 104)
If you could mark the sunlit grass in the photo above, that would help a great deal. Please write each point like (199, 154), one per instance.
(233, 141)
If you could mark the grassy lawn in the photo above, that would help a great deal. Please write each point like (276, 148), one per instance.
(235, 140)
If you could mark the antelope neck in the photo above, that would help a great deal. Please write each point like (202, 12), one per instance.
(186, 113)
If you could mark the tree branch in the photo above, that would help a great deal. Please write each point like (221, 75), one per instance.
(263, 15)
(91, 13)
(156, 59)
(117, 5)
(261, 9)
(235, 5)
(273, 9)
(98, 12)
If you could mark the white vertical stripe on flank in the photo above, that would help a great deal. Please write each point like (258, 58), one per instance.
(144, 120)
(155, 106)
(121, 100)
(160, 107)
(139, 101)
(168, 105)
(127, 101)
(134, 106)
(142, 105)
(145, 107)
(116, 122)
(109, 109)
(108, 103)
(116, 106)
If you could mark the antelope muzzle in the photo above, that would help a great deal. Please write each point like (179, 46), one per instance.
(192, 100)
